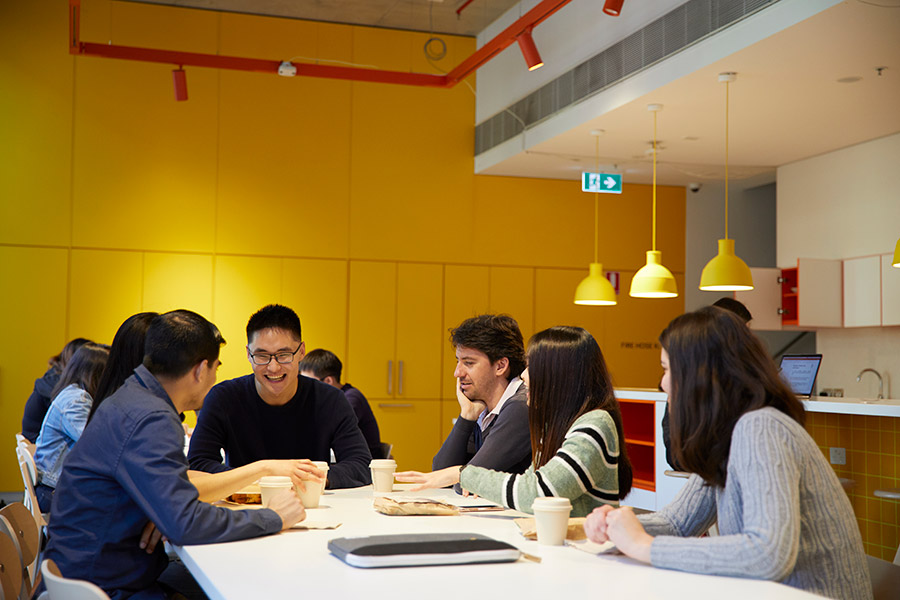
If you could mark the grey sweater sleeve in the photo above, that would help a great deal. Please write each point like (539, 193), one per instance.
(763, 464)
(691, 512)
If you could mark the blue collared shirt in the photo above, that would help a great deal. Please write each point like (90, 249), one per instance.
(129, 468)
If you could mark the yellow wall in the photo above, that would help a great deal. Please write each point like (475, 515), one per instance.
(114, 199)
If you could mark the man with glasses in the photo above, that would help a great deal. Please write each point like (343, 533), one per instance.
(276, 413)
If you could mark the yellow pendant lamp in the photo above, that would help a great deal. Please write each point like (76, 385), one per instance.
(595, 289)
(653, 280)
(726, 272)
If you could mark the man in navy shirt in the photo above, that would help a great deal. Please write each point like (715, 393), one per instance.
(128, 470)
(277, 414)
(326, 367)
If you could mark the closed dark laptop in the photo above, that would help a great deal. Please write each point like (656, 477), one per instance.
(421, 549)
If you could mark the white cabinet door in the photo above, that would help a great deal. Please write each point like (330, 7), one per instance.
(862, 292)
(890, 291)
(819, 298)
(764, 300)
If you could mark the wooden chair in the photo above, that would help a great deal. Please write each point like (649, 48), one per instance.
(22, 441)
(885, 578)
(17, 525)
(29, 474)
(10, 568)
(60, 588)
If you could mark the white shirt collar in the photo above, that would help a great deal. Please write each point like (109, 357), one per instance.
(485, 418)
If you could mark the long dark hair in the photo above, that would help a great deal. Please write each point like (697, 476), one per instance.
(126, 354)
(568, 378)
(84, 368)
(58, 362)
(718, 370)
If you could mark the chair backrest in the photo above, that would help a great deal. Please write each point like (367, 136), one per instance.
(60, 588)
(385, 450)
(885, 578)
(10, 568)
(22, 441)
(31, 503)
(16, 522)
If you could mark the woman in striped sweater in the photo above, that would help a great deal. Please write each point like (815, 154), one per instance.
(576, 432)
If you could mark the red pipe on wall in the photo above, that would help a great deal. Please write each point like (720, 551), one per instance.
(468, 66)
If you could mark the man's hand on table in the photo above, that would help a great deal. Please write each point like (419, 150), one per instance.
(287, 505)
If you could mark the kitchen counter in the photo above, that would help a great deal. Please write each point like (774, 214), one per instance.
(889, 407)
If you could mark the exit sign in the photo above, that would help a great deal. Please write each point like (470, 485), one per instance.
(605, 183)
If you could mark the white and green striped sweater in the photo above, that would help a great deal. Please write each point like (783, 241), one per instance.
(584, 470)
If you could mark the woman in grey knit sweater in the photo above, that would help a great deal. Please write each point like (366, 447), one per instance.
(576, 432)
(737, 427)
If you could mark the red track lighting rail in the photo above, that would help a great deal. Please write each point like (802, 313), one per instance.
(508, 36)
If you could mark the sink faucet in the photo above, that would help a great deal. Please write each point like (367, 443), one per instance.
(880, 381)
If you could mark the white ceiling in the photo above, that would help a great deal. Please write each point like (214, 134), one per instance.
(786, 105)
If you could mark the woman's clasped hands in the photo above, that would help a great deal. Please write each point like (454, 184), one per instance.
(621, 527)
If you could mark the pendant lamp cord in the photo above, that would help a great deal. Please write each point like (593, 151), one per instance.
(597, 206)
(654, 181)
(727, 84)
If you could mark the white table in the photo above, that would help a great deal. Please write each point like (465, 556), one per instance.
(297, 564)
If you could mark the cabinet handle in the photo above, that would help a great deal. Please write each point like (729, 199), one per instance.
(394, 405)
(783, 311)
(400, 379)
(780, 279)
(390, 385)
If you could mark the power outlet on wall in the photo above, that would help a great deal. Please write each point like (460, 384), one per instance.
(838, 456)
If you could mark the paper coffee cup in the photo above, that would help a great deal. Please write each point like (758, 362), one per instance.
(310, 498)
(383, 474)
(271, 485)
(551, 516)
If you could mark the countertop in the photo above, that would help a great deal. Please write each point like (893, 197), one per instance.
(889, 407)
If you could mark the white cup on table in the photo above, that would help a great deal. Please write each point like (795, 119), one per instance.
(310, 498)
(270, 485)
(551, 517)
(383, 474)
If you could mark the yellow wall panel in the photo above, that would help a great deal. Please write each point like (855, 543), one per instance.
(411, 178)
(372, 48)
(32, 319)
(419, 291)
(243, 285)
(466, 294)
(413, 427)
(629, 341)
(317, 291)
(626, 227)
(512, 293)
(154, 26)
(104, 290)
(173, 281)
(144, 164)
(270, 38)
(273, 175)
(36, 121)
(554, 292)
(509, 209)
(372, 324)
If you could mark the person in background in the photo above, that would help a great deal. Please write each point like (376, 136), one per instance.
(738, 428)
(577, 439)
(128, 470)
(66, 417)
(275, 413)
(492, 428)
(39, 401)
(325, 366)
(741, 311)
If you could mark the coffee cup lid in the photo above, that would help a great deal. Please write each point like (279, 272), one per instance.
(552, 503)
(275, 480)
(383, 462)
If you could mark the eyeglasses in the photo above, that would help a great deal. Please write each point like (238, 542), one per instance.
(264, 358)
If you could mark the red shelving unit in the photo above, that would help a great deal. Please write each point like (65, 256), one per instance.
(638, 419)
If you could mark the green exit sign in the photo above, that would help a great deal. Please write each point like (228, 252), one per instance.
(605, 183)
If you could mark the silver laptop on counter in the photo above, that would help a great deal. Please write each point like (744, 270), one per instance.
(800, 371)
